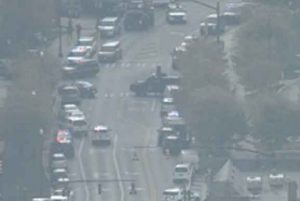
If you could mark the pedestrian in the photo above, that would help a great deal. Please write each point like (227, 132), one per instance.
(78, 30)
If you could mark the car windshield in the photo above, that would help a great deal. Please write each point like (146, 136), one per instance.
(170, 193)
(212, 20)
(69, 91)
(108, 48)
(107, 23)
(86, 43)
(79, 123)
(77, 54)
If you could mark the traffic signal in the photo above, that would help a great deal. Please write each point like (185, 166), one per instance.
(99, 189)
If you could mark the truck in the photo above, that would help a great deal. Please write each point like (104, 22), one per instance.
(139, 15)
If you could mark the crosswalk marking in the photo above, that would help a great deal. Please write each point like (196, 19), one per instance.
(138, 63)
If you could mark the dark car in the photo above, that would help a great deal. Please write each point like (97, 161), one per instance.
(87, 89)
(82, 68)
(69, 94)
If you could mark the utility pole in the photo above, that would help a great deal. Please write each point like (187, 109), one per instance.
(60, 54)
(97, 14)
(218, 22)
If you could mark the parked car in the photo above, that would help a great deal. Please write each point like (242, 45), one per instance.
(110, 52)
(209, 25)
(176, 16)
(69, 94)
(87, 89)
(64, 143)
(81, 69)
(110, 27)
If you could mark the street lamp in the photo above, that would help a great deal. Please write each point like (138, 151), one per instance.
(97, 13)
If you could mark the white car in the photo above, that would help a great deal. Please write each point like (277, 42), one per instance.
(101, 135)
(177, 16)
(254, 184)
(183, 173)
(276, 180)
(173, 194)
(77, 125)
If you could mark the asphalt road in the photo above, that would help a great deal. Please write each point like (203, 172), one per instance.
(133, 120)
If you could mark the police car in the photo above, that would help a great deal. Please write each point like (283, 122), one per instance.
(101, 135)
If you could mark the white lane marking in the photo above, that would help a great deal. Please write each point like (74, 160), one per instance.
(82, 172)
(131, 173)
(153, 105)
(117, 168)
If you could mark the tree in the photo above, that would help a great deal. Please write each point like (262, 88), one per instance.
(205, 101)
(275, 121)
(266, 44)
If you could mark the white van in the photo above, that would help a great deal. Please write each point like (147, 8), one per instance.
(276, 180)
(254, 184)
(77, 125)
(183, 173)
(173, 194)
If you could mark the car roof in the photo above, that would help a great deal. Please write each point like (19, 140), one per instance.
(100, 128)
(182, 165)
(79, 49)
(109, 19)
(168, 100)
(70, 107)
(86, 38)
(58, 155)
(214, 15)
(166, 129)
(69, 87)
(85, 83)
(74, 118)
(172, 190)
(257, 178)
(111, 44)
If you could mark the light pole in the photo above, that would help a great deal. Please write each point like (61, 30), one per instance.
(60, 54)
(97, 13)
